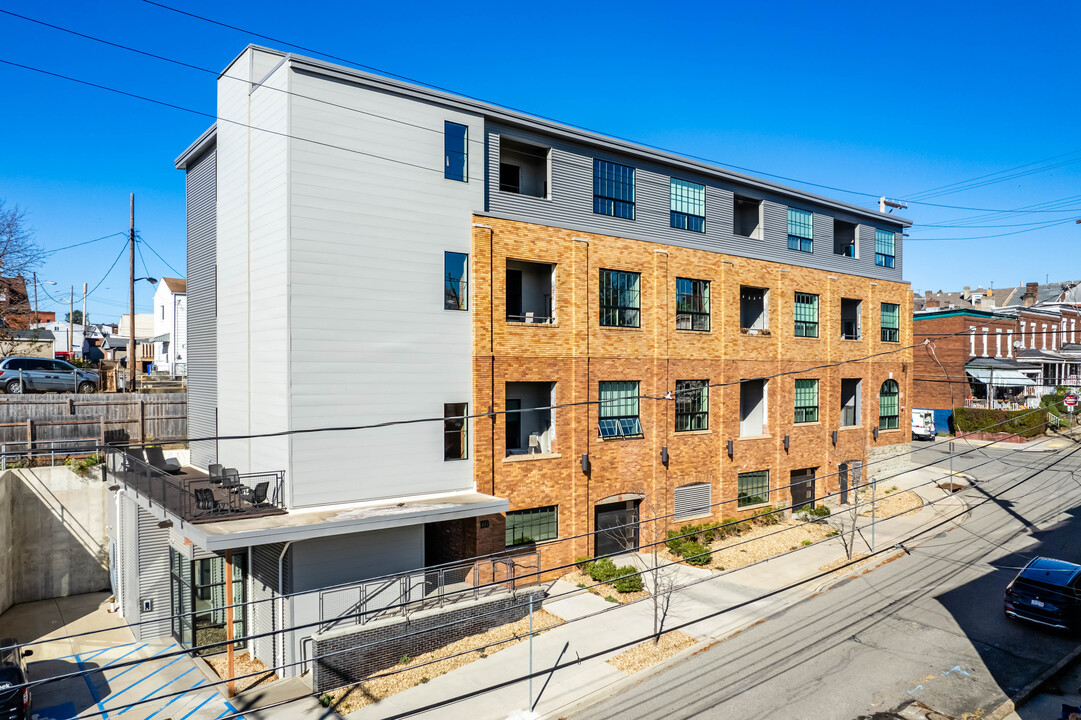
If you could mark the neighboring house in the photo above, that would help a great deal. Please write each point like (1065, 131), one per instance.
(489, 260)
(171, 327)
(35, 342)
(990, 299)
(144, 335)
(82, 338)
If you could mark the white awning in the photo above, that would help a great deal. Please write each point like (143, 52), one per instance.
(1000, 377)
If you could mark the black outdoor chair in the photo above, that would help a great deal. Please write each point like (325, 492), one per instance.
(205, 500)
(216, 472)
(157, 458)
(256, 495)
(230, 479)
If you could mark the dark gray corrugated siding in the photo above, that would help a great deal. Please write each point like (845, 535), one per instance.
(264, 615)
(202, 300)
(154, 581)
(571, 206)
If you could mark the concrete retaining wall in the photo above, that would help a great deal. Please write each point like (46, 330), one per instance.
(54, 539)
(414, 635)
(887, 460)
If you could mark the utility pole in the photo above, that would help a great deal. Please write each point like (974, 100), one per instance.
(131, 286)
(36, 318)
(883, 203)
(71, 320)
(85, 321)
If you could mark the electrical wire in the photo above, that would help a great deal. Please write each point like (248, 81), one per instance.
(151, 249)
(1049, 224)
(85, 242)
(121, 254)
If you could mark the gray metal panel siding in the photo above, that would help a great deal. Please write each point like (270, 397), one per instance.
(570, 205)
(129, 560)
(264, 615)
(154, 581)
(202, 323)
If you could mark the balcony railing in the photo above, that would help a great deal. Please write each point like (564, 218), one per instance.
(193, 496)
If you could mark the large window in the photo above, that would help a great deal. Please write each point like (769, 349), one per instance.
(455, 151)
(752, 488)
(891, 318)
(806, 315)
(688, 206)
(618, 409)
(884, 254)
(850, 402)
(692, 405)
(800, 230)
(806, 401)
(613, 189)
(199, 599)
(533, 525)
(692, 304)
(889, 406)
(621, 299)
(455, 281)
(455, 431)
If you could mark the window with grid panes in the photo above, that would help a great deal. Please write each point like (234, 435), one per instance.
(889, 406)
(806, 313)
(800, 230)
(621, 298)
(884, 248)
(533, 525)
(688, 205)
(891, 322)
(692, 304)
(752, 488)
(618, 409)
(692, 405)
(613, 189)
(806, 401)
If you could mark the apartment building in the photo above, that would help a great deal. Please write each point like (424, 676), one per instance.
(601, 332)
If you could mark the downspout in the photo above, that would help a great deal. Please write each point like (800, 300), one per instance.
(281, 608)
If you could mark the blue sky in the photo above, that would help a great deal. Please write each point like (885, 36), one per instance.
(879, 99)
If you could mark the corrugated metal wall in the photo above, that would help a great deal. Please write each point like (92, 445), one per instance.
(264, 615)
(571, 206)
(153, 579)
(202, 301)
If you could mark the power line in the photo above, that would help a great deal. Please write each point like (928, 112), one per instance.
(1048, 224)
(124, 247)
(79, 244)
(946, 188)
(151, 249)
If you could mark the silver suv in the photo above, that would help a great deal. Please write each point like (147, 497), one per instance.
(31, 374)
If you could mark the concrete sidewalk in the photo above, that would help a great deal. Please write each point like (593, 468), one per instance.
(709, 607)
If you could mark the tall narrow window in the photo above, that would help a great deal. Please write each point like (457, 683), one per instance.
(613, 189)
(618, 409)
(850, 402)
(455, 431)
(884, 243)
(806, 313)
(533, 525)
(800, 230)
(752, 488)
(692, 405)
(621, 299)
(692, 304)
(806, 401)
(688, 205)
(891, 322)
(889, 406)
(455, 151)
(455, 281)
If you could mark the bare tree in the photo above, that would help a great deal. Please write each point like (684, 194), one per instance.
(20, 254)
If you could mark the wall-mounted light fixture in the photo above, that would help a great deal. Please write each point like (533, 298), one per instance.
(786, 442)
(731, 447)
(585, 463)
(835, 438)
(874, 431)
(664, 456)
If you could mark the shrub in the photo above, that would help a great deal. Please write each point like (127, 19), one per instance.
(766, 516)
(603, 570)
(82, 467)
(629, 581)
(326, 699)
(1021, 422)
(405, 660)
(696, 554)
(610, 599)
(583, 564)
(811, 514)
(805, 542)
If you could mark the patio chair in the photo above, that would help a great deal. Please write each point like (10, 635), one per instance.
(205, 500)
(216, 471)
(230, 479)
(130, 456)
(256, 495)
(157, 458)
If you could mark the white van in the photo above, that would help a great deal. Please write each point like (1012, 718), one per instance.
(923, 425)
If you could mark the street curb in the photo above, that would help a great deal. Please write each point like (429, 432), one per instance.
(1021, 695)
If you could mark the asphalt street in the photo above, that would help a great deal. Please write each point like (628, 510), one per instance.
(926, 627)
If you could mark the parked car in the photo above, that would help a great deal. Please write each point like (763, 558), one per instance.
(923, 425)
(14, 700)
(1046, 592)
(31, 374)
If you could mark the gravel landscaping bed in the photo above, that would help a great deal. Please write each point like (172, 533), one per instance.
(243, 664)
(646, 654)
(760, 542)
(371, 691)
(890, 503)
(604, 590)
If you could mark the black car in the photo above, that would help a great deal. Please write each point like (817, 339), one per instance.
(14, 700)
(1047, 592)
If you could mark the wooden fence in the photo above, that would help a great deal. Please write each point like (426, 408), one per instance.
(110, 418)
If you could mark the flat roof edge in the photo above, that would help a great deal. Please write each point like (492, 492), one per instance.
(196, 149)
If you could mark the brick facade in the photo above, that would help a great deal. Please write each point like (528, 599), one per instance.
(576, 353)
(947, 387)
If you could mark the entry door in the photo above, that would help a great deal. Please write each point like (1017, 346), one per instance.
(617, 528)
(803, 488)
